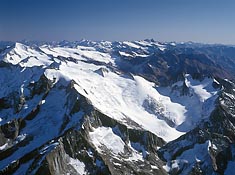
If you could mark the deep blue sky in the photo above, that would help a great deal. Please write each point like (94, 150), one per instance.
(208, 21)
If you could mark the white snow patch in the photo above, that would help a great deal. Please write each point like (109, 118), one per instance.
(43, 101)
(199, 153)
(135, 156)
(125, 54)
(143, 43)
(211, 145)
(117, 164)
(140, 55)
(3, 146)
(203, 89)
(21, 137)
(131, 44)
(77, 165)
(154, 167)
(216, 81)
(103, 136)
(160, 46)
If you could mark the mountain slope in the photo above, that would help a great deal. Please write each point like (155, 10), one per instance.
(106, 108)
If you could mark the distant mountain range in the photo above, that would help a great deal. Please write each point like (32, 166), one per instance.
(131, 107)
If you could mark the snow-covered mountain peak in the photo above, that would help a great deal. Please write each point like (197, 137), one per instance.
(25, 56)
(20, 46)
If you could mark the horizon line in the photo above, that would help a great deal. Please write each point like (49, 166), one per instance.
(112, 41)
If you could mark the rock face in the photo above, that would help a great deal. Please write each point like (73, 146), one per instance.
(208, 148)
(138, 107)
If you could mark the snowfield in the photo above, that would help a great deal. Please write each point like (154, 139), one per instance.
(123, 97)
(105, 136)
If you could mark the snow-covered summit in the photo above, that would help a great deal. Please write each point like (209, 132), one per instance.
(25, 56)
